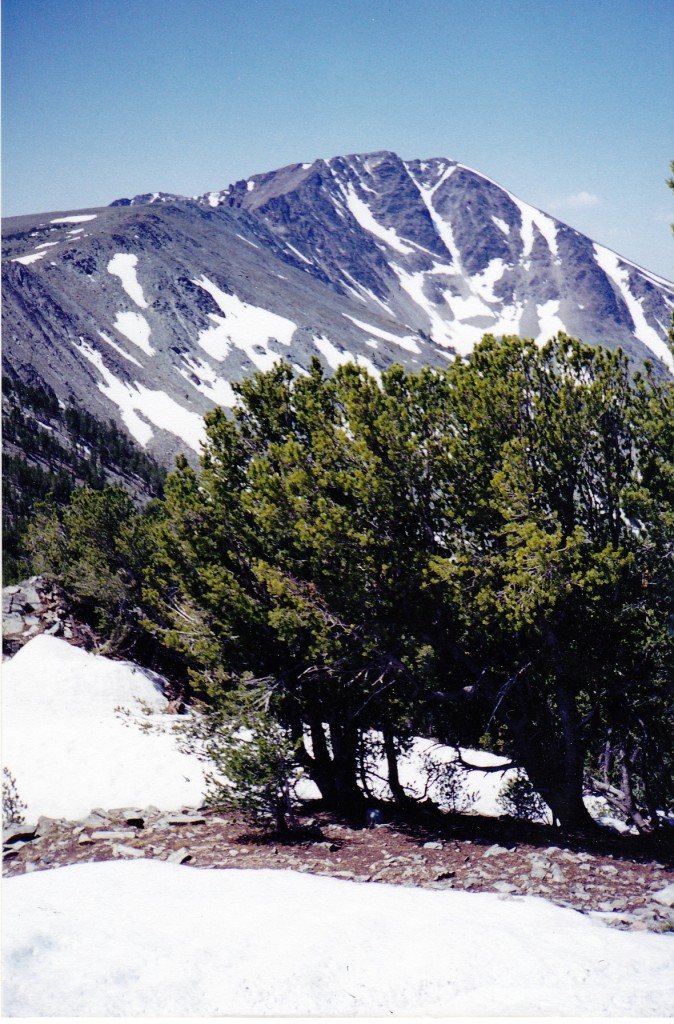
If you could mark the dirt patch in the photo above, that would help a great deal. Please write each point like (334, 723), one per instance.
(623, 885)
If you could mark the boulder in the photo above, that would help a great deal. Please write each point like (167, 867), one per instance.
(664, 896)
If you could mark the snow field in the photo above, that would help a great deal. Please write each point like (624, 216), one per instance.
(148, 938)
(153, 939)
(68, 749)
(32, 258)
(136, 329)
(77, 218)
(408, 342)
(610, 263)
(245, 326)
(123, 265)
(156, 406)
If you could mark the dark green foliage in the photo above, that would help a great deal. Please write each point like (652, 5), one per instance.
(489, 549)
(252, 756)
(563, 570)
(97, 548)
(49, 451)
(518, 798)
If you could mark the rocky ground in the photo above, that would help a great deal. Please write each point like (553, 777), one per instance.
(620, 884)
(35, 606)
(626, 881)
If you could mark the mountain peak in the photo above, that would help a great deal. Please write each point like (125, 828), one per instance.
(148, 310)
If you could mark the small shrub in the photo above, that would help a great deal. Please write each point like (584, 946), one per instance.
(12, 805)
(518, 798)
(449, 782)
(252, 757)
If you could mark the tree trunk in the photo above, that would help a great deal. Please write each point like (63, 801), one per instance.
(344, 738)
(322, 767)
(554, 764)
(399, 794)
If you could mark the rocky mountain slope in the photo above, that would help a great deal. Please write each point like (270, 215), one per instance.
(146, 311)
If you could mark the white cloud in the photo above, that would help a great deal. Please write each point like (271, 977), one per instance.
(576, 201)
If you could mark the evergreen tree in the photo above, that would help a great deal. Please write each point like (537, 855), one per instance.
(563, 568)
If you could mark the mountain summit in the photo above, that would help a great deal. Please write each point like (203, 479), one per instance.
(147, 310)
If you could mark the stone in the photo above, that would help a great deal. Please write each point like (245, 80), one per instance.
(45, 825)
(444, 876)
(11, 624)
(179, 856)
(94, 821)
(184, 819)
(14, 833)
(664, 896)
(121, 850)
(31, 597)
(556, 874)
(85, 840)
(608, 906)
(432, 846)
(100, 813)
(495, 851)
(504, 887)
(113, 834)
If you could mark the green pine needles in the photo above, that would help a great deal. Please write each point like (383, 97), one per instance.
(489, 548)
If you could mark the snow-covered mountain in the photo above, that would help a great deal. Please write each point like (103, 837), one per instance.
(147, 310)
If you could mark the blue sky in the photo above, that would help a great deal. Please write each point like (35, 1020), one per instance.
(567, 103)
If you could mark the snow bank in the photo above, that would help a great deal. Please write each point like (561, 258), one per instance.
(32, 258)
(68, 749)
(154, 939)
(123, 265)
(156, 406)
(78, 218)
(245, 326)
(420, 770)
(135, 327)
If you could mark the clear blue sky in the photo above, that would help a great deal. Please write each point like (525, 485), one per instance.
(569, 104)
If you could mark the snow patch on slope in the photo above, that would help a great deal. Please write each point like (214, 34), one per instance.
(243, 326)
(119, 350)
(549, 322)
(217, 389)
(335, 357)
(136, 329)
(408, 343)
(619, 275)
(363, 214)
(68, 749)
(250, 945)
(77, 218)
(123, 265)
(156, 406)
(32, 258)
(443, 227)
(531, 217)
